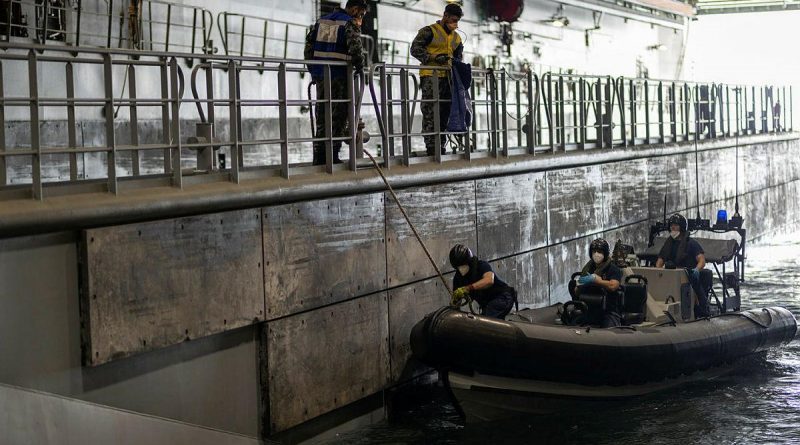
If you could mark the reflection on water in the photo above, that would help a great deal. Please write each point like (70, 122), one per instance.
(759, 403)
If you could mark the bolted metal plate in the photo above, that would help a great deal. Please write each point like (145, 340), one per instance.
(564, 260)
(636, 235)
(575, 202)
(155, 284)
(529, 274)
(324, 359)
(512, 214)
(444, 215)
(754, 162)
(321, 252)
(408, 305)
(672, 176)
(624, 199)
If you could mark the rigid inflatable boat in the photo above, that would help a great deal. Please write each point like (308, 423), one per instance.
(531, 364)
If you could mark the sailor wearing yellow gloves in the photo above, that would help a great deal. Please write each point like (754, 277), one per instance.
(476, 279)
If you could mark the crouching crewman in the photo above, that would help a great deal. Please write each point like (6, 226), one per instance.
(476, 278)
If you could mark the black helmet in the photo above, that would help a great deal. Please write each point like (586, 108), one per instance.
(600, 245)
(679, 220)
(460, 255)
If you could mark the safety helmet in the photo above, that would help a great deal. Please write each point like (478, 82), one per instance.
(600, 245)
(679, 220)
(460, 255)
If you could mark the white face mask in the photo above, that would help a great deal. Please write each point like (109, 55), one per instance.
(463, 270)
(675, 234)
(598, 257)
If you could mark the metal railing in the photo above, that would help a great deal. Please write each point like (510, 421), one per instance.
(151, 25)
(128, 122)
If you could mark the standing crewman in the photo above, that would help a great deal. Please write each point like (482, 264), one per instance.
(437, 45)
(682, 251)
(335, 36)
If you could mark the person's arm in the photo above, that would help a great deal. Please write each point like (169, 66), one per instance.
(610, 285)
(485, 282)
(308, 50)
(419, 47)
(458, 54)
(354, 47)
(660, 262)
(701, 261)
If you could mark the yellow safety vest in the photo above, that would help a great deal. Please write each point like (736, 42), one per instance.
(442, 43)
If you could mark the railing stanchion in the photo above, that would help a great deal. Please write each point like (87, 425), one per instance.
(647, 111)
(502, 102)
(405, 119)
(165, 120)
(437, 141)
(111, 144)
(620, 86)
(327, 91)
(562, 129)
(385, 140)
(175, 133)
(72, 137)
(134, 119)
(233, 127)
(283, 119)
(531, 117)
(660, 112)
(582, 113)
(351, 108)
(36, 147)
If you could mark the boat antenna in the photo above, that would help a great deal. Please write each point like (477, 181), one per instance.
(665, 209)
(696, 166)
(736, 205)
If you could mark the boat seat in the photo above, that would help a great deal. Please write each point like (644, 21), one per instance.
(634, 300)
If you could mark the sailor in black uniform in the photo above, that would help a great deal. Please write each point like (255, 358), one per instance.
(681, 250)
(602, 272)
(476, 278)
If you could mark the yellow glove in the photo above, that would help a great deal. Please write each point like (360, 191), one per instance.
(459, 295)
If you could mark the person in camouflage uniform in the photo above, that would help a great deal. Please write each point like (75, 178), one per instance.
(437, 45)
(335, 36)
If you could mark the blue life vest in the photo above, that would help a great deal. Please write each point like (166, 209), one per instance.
(330, 44)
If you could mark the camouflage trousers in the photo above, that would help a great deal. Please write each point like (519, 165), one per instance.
(445, 94)
(338, 119)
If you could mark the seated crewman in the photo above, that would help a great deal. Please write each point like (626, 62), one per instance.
(680, 250)
(601, 271)
(477, 279)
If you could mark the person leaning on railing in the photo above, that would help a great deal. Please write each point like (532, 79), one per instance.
(437, 45)
(335, 36)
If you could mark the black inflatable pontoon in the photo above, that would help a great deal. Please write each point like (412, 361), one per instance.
(526, 363)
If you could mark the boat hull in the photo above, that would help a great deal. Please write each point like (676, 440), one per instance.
(495, 365)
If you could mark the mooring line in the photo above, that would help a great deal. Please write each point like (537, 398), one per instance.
(410, 224)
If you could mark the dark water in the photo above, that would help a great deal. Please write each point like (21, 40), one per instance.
(758, 403)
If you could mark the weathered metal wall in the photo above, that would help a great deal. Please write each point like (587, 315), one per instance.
(156, 284)
(337, 283)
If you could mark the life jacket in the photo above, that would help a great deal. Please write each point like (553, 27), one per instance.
(680, 258)
(442, 43)
(597, 269)
(330, 43)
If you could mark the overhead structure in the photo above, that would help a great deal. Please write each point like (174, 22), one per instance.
(667, 13)
(742, 6)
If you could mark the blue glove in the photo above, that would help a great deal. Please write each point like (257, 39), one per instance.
(695, 274)
(587, 279)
